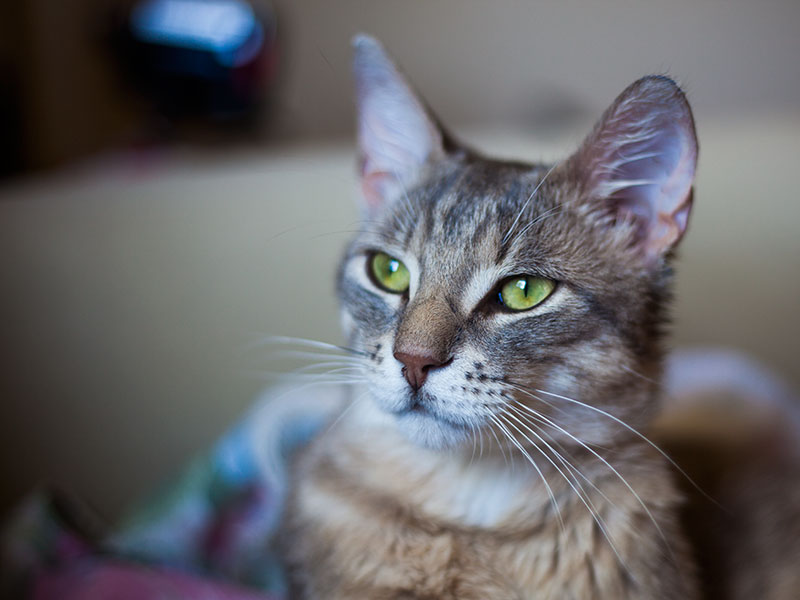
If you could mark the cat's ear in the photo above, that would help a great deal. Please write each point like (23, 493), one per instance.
(638, 164)
(397, 136)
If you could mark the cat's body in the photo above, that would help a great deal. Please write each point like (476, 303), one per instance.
(496, 448)
(384, 520)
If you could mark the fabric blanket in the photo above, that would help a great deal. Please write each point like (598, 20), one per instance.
(207, 534)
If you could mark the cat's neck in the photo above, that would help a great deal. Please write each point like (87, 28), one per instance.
(488, 487)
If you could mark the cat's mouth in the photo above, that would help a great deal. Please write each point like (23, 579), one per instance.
(418, 408)
(418, 403)
(422, 406)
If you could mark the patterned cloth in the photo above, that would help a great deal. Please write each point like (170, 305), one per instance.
(206, 535)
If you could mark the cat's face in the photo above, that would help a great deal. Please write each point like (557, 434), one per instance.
(507, 301)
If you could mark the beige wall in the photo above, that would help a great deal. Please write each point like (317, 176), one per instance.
(526, 60)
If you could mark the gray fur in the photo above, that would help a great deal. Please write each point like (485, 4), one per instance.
(578, 372)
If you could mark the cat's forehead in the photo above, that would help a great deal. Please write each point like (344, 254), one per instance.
(476, 212)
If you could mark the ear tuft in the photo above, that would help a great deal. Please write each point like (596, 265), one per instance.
(638, 164)
(396, 136)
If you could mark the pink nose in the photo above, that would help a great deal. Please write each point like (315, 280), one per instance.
(417, 366)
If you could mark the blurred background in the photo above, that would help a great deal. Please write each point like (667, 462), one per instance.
(176, 181)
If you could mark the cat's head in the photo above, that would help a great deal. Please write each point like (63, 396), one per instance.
(500, 296)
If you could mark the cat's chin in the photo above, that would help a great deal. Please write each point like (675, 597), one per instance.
(428, 431)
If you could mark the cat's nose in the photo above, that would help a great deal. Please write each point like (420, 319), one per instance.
(416, 367)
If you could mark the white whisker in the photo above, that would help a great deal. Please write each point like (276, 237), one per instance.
(513, 440)
(281, 339)
(327, 364)
(638, 434)
(499, 444)
(614, 471)
(539, 219)
(345, 411)
(635, 372)
(474, 442)
(607, 464)
(315, 355)
(525, 205)
(562, 451)
(581, 493)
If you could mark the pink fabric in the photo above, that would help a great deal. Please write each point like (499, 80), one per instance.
(91, 580)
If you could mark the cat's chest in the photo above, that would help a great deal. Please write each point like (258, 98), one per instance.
(376, 516)
(481, 500)
(467, 490)
(478, 497)
(370, 541)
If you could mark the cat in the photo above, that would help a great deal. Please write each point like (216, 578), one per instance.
(506, 321)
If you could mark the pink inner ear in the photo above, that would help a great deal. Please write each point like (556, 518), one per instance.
(396, 136)
(651, 180)
(681, 216)
(374, 188)
(642, 161)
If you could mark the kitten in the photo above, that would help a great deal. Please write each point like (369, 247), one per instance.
(508, 320)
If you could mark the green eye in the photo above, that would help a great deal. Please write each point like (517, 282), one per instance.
(389, 273)
(525, 291)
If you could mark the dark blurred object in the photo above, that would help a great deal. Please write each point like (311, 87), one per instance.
(11, 143)
(212, 60)
(12, 150)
